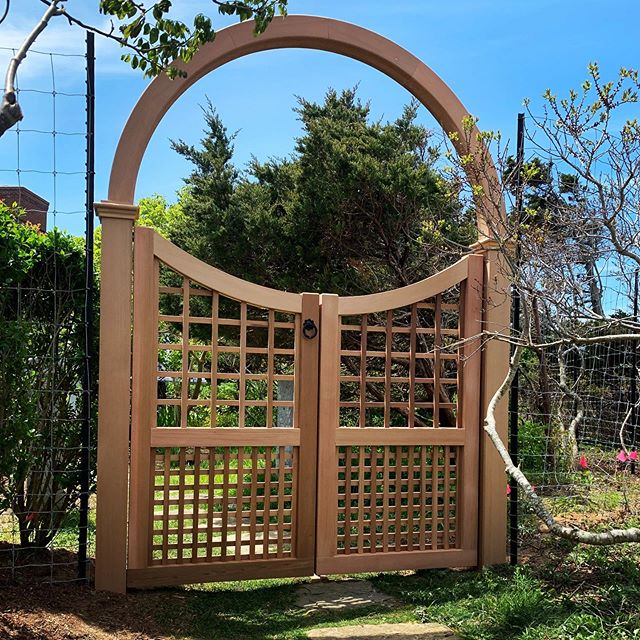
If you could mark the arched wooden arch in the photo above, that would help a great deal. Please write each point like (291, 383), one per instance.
(129, 385)
(307, 32)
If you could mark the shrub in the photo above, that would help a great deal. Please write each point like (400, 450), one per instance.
(42, 297)
(532, 446)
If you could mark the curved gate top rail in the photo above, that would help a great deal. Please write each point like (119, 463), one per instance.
(224, 283)
(296, 31)
(257, 295)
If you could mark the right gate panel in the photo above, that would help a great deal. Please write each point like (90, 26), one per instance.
(399, 425)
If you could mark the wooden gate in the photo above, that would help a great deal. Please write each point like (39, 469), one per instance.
(399, 425)
(224, 424)
(249, 403)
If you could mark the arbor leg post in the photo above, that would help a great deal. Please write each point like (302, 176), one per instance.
(492, 547)
(114, 400)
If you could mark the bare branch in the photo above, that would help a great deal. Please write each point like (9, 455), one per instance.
(10, 112)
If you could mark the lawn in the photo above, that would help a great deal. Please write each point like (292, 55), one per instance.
(562, 592)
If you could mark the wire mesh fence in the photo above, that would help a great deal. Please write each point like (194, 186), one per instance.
(593, 393)
(47, 379)
(577, 415)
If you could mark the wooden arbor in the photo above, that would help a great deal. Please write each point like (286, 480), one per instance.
(163, 520)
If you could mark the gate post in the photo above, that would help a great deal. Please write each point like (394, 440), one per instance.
(114, 397)
(492, 542)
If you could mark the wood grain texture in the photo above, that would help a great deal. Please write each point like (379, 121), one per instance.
(143, 409)
(495, 365)
(170, 575)
(114, 399)
(307, 371)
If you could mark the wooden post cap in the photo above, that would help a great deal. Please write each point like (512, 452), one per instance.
(493, 244)
(106, 209)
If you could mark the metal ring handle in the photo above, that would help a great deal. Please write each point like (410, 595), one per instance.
(309, 329)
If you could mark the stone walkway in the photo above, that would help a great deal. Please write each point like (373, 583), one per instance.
(327, 595)
(403, 631)
(345, 594)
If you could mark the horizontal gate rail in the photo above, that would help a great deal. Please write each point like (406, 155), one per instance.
(224, 283)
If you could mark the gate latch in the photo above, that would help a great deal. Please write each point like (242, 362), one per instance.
(309, 329)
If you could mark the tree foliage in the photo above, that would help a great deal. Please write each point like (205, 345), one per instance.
(359, 207)
(155, 39)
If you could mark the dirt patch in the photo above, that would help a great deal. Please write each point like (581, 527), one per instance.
(74, 612)
(401, 631)
(36, 566)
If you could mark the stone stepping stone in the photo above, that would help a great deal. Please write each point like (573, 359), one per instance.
(402, 631)
(345, 594)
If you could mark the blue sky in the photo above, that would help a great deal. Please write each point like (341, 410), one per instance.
(493, 53)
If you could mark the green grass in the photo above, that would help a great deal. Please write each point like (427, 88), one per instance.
(593, 593)
(262, 609)
(576, 593)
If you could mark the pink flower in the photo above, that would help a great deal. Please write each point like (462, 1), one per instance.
(622, 456)
(633, 456)
(583, 462)
(508, 489)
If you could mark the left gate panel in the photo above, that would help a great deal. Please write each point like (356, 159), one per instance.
(224, 424)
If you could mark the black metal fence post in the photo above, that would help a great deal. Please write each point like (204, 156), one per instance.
(515, 327)
(634, 368)
(85, 471)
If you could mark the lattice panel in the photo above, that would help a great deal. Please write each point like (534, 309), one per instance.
(397, 498)
(223, 363)
(205, 510)
(400, 368)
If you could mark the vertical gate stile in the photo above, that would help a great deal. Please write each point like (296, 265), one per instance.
(328, 416)
(470, 332)
(307, 422)
(145, 341)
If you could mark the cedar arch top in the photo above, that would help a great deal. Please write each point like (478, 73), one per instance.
(294, 31)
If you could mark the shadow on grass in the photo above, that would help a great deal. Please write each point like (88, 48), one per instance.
(236, 611)
(586, 593)
(267, 611)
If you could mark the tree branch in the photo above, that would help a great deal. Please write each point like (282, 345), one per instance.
(614, 536)
(10, 112)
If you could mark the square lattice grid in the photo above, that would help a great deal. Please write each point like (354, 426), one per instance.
(223, 503)
(400, 368)
(223, 363)
(397, 498)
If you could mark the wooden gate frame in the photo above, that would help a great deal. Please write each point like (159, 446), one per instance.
(118, 215)
(464, 440)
